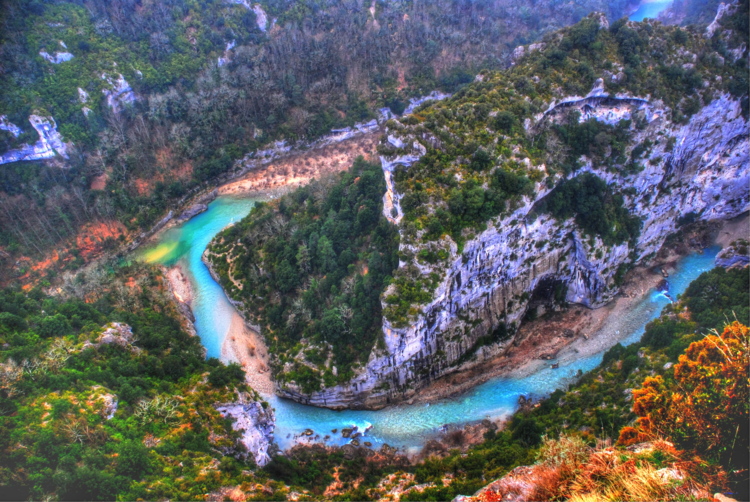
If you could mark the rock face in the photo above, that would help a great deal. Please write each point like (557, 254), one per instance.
(724, 9)
(119, 94)
(6, 125)
(261, 18)
(193, 210)
(116, 333)
(200, 206)
(56, 58)
(414, 103)
(50, 142)
(735, 255)
(256, 424)
(705, 175)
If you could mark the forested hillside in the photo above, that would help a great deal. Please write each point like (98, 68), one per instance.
(108, 396)
(309, 269)
(159, 97)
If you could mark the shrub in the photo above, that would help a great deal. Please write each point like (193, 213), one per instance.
(707, 407)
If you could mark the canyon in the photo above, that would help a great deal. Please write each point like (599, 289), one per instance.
(704, 177)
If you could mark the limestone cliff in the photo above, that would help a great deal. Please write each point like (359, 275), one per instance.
(255, 424)
(50, 141)
(705, 175)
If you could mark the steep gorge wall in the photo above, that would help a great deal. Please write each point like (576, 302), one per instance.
(706, 173)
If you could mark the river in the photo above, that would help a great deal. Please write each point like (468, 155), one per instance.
(405, 426)
(649, 9)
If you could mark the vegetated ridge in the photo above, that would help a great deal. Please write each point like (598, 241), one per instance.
(547, 182)
(135, 105)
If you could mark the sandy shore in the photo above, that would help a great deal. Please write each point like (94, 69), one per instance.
(299, 169)
(244, 346)
(180, 285)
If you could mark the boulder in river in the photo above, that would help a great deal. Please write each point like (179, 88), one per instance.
(192, 211)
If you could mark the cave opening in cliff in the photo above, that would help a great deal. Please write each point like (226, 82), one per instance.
(548, 295)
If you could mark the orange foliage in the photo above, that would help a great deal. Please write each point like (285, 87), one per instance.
(630, 436)
(92, 239)
(708, 406)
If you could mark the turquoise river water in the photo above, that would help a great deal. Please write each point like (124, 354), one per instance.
(649, 10)
(404, 426)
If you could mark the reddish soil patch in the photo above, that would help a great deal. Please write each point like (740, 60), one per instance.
(99, 182)
(142, 186)
(95, 237)
(168, 170)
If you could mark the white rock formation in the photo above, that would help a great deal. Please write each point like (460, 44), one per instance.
(227, 57)
(415, 102)
(50, 143)
(57, 57)
(116, 333)
(83, 97)
(735, 255)
(256, 424)
(706, 173)
(261, 17)
(520, 51)
(119, 93)
(724, 9)
(7, 125)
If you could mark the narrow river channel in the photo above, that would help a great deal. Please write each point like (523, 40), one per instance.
(403, 426)
(649, 9)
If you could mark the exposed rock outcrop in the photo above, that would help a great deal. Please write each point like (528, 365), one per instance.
(261, 18)
(255, 422)
(227, 57)
(414, 103)
(200, 205)
(193, 210)
(724, 10)
(57, 57)
(50, 142)
(736, 255)
(705, 174)
(119, 93)
(7, 125)
(117, 333)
